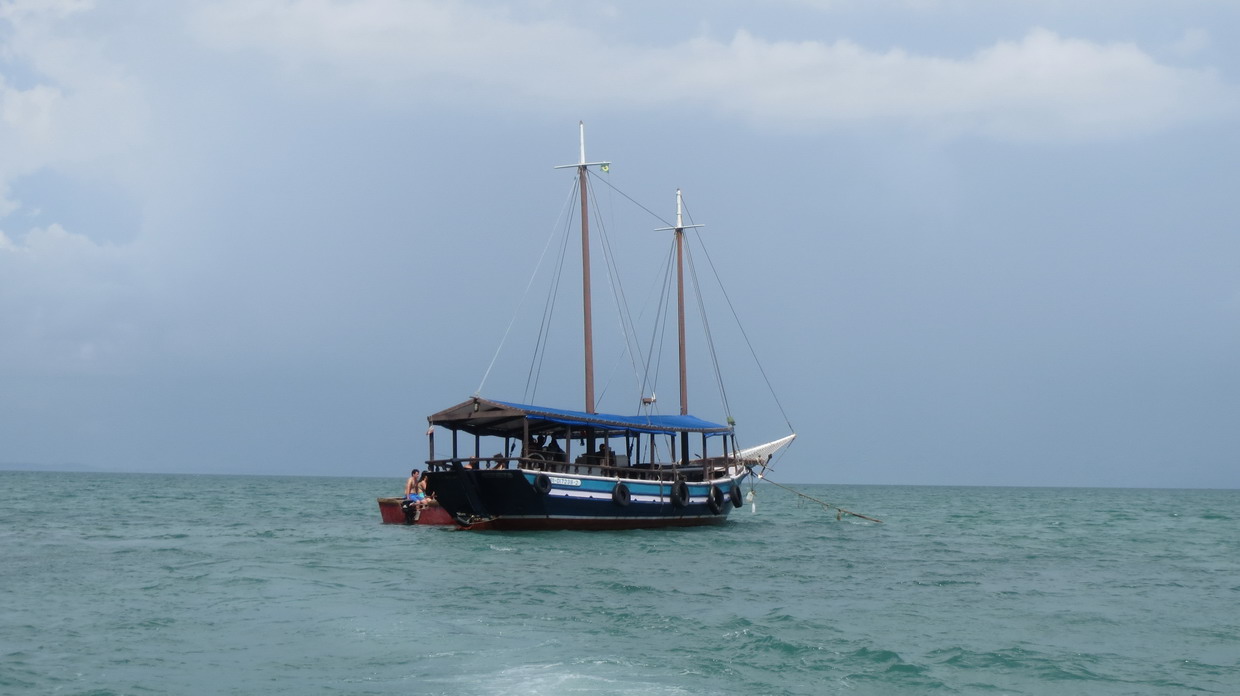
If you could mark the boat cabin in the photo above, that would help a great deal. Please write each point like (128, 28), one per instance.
(490, 434)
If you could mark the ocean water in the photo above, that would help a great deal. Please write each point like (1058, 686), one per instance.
(170, 584)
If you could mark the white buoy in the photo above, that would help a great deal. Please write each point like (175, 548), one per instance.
(752, 505)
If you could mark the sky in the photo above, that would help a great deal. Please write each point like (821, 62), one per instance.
(970, 242)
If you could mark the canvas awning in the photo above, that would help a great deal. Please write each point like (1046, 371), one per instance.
(481, 416)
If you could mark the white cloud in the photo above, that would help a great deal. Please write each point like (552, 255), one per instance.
(1041, 87)
(1192, 42)
(28, 112)
(387, 41)
(81, 112)
(70, 304)
(24, 9)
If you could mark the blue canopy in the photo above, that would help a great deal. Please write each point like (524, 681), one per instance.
(507, 419)
(640, 423)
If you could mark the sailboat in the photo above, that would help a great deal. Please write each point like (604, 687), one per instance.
(582, 469)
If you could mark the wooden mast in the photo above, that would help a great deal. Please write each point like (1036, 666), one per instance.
(679, 232)
(587, 313)
(680, 306)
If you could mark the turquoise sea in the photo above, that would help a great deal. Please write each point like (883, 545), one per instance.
(179, 584)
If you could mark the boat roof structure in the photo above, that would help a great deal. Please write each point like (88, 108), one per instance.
(480, 416)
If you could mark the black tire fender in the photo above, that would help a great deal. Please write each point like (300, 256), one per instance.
(542, 484)
(620, 495)
(715, 500)
(737, 499)
(680, 494)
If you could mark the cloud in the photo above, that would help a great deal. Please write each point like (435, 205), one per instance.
(389, 41)
(1041, 87)
(25, 9)
(60, 293)
(1193, 42)
(66, 108)
(72, 110)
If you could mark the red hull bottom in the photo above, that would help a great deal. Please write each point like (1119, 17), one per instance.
(591, 523)
(394, 513)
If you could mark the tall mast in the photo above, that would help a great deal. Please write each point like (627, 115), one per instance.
(679, 232)
(587, 314)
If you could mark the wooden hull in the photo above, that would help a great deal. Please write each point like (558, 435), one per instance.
(393, 512)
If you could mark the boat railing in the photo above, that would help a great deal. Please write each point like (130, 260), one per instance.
(716, 467)
(591, 465)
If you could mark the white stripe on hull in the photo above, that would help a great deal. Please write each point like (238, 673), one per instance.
(598, 495)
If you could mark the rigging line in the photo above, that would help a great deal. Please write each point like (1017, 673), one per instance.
(618, 298)
(779, 456)
(653, 214)
(634, 202)
(655, 358)
(705, 317)
(646, 304)
(710, 340)
(612, 278)
(649, 380)
(660, 325)
(524, 295)
(606, 241)
(838, 509)
(748, 342)
(549, 312)
(618, 288)
(544, 327)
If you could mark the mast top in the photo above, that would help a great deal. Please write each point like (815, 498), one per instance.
(680, 224)
(582, 162)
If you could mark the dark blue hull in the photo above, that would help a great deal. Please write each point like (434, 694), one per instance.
(523, 499)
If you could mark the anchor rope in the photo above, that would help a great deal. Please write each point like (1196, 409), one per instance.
(839, 510)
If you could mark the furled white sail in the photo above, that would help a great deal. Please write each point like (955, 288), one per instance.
(764, 452)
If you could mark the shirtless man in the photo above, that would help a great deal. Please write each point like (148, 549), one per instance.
(415, 488)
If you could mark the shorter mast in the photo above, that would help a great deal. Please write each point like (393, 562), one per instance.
(679, 232)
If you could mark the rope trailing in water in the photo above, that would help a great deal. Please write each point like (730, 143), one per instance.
(838, 510)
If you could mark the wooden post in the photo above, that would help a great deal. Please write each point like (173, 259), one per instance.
(525, 438)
